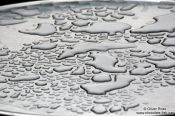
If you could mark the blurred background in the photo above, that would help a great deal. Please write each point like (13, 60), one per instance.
(6, 2)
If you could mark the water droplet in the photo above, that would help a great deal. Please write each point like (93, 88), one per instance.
(63, 68)
(3, 95)
(42, 29)
(168, 42)
(80, 23)
(169, 63)
(66, 26)
(4, 52)
(102, 101)
(44, 46)
(117, 16)
(140, 54)
(27, 77)
(141, 69)
(90, 46)
(3, 80)
(171, 82)
(99, 109)
(15, 95)
(115, 109)
(78, 71)
(101, 78)
(159, 25)
(10, 22)
(26, 12)
(154, 41)
(128, 7)
(98, 28)
(126, 13)
(41, 83)
(127, 107)
(102, 88)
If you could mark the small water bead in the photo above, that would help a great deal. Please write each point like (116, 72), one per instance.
(99, 109)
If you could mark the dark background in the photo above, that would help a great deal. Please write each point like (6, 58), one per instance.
(7, 2)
